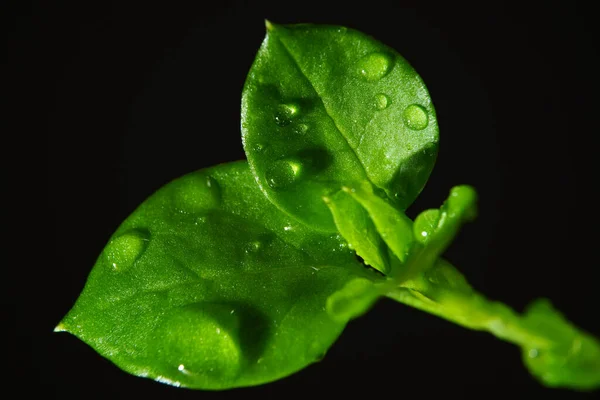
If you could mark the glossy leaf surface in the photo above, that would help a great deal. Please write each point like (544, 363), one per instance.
(355, 225)
(326, 105)
(208, 285)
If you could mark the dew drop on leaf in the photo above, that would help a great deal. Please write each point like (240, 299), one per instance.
(197, 193)
(533, 353)
(253, 247)
(425, 224)
(285, 113)
(381, 101)
(415, 117)
(283, 173)
(200, 340)
(301, 128)
(258, 147)
(124, 250)
(374, 66)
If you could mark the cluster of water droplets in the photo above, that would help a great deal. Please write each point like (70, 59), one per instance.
(284, 172)
(375, 66)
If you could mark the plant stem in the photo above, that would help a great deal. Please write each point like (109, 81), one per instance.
(470, 310)
(554, 350)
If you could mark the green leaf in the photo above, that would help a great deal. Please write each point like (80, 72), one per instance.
(572, 359)
(207, 285)
(324, 106)
(355, 225)
(393, 225)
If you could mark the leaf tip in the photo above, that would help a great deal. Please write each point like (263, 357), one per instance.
(60, 328)
(269, 25)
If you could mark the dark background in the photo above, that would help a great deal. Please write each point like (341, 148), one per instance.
(116, 99)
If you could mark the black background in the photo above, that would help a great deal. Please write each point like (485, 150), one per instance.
(114, 100)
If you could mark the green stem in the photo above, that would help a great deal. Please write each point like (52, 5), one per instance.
(470, 310)
(555, 351)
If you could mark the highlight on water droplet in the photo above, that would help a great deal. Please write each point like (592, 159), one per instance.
(197, 193)
(259, 245)
(415, 117)
(285, 113)
(283, 173)
(124, 250)
(381, 101)
(375, 66)
(253, 247)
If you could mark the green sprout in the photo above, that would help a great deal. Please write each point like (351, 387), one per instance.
(246, 272)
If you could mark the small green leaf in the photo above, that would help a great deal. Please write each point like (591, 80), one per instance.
(325, 106)
(207, 285)
(572, 359)
(393, 225)
(355, 226)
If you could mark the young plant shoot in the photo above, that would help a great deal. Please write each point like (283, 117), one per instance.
(246, 272)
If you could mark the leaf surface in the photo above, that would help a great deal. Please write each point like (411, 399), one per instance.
(325, 106)
(208, 285)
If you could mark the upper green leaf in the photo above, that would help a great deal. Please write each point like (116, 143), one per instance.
(208, 285)
(324, 106)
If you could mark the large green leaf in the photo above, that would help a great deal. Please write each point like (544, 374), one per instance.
(326, 105)
(208, 285)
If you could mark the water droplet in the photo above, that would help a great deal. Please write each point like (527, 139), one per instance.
(197, 193)
(301, 128)
(415, 117)
(124, 250)
(258, 147)
(374, 66)
(285, 113)
(283, 173)
(254, 247)
(381, 101)
(425, 224)
(533, 353)
(287, 228)
(200, 340)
